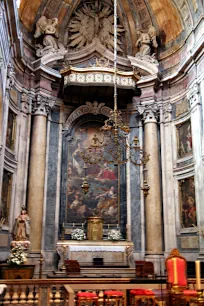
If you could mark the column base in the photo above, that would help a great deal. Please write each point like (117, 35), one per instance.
(158, 262)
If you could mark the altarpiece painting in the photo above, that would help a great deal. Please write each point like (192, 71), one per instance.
(102, 198)
(187, 202)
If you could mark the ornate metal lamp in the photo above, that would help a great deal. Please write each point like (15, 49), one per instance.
(85, 184)
(115, 146)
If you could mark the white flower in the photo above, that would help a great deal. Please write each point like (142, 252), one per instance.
(78, 234)
(114, 235)
(17, 255)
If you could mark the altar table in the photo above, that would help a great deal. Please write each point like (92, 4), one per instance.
(114, 253)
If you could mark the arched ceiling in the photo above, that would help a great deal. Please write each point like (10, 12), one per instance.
(171, 18)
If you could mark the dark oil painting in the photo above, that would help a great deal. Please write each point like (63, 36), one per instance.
(102, 198)
(187, 202)
(184, 138)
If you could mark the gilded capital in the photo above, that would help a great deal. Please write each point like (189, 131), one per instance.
(42, 105)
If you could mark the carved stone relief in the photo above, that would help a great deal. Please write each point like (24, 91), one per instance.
(90, 108)
(93, 21)
(146, 44)
(48, 29)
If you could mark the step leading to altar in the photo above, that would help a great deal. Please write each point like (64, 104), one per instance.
(112, 253)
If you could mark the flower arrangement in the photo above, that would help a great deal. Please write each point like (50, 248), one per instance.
(114, 234)
(78, 234)
(17, 255)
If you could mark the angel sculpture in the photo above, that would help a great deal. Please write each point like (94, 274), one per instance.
(145, 42)
(47, 27)
(91, 22)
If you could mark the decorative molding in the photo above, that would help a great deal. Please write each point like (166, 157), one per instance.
(167, 111)
(42, 105)
(90, 108)
(10, 76)
(10, 160)
(97, 76)
(26, 102)
(146, 65)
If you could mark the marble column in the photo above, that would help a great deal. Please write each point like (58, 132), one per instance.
(197, 133)
(42, 107)
(153, 218)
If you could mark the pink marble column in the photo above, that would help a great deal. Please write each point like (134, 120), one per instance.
(37, 170)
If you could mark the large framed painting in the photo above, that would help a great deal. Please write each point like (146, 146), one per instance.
(184, 139)
(187, 202)
(102, 198)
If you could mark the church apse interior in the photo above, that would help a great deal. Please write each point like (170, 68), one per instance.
(78, 82)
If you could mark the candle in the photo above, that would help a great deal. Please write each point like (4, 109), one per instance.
(175, 272)
(197, 266)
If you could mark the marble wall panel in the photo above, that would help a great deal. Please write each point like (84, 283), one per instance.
(135, 195)
(49, 237)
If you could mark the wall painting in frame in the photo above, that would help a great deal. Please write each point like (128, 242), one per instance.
(187, 202)
(184, 139)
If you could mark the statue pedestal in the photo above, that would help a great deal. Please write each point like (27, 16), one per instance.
(114, 253)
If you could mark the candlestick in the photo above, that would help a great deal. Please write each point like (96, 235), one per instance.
(197, 265)
(175, 272)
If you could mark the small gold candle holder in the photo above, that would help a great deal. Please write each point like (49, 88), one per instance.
(200, 297)
(176, 290)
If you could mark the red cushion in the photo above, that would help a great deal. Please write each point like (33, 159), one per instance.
(141, 292)
(114, 293)
(86, 294)
(190, 292)
(137, 291)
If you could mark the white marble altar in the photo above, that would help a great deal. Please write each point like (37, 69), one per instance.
(114, 253)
